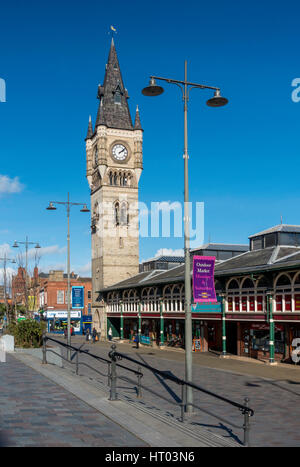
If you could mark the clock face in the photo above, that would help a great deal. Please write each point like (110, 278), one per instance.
(119, 152)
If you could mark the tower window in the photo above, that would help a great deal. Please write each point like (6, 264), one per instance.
(117, 214)
(118, 94)
(96, 156)
(124, 216)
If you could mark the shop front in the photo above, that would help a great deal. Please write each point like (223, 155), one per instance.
(255, 338)
(57, 321)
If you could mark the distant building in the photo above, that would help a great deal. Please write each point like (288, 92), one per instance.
(258, 291)
(161, 262)
(53, 299)
(221, 251)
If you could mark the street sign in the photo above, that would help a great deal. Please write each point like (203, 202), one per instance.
(78, 297)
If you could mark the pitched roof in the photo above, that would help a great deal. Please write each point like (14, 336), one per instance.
(110, 113)
(279, 228)
(222, 247)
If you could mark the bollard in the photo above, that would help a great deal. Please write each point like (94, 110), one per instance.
(113, 374)
(44, 362)
(246, 425)
(139, 388)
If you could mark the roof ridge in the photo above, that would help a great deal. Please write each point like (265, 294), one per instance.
(274, 255)
(288, 256)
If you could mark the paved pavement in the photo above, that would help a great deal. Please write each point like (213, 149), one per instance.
(44, 405)
(273, 391)
(37, 412)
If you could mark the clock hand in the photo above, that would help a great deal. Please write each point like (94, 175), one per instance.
(122, 150)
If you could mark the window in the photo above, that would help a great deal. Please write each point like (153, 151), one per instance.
(96, 156)
(117, 214)
(60, 297)
(124, 214)
(292, 239)
(256, 243)
(89, 294)
(270, 240)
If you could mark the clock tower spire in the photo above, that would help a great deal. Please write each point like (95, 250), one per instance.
(114, 156)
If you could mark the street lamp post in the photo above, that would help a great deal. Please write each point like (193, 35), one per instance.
(216, 101)
(26, 243)
(5, 261)
(68, 205)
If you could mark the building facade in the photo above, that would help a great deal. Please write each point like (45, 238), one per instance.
(53, 300)
(258, 309)
(114, 159)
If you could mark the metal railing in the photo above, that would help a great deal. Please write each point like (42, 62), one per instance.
(247, 412)
(112, 377)
(110, 364)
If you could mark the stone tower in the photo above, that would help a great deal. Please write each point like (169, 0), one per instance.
(114, 164)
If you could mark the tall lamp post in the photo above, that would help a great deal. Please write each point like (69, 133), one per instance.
(216, 101)
(68, 205)
(5, 261)
(26, 243)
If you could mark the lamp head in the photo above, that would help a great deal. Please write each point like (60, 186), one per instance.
(37, 246)
(51, 207)
(15, 245)
(84, 209)
(217, 100)
(153, 89)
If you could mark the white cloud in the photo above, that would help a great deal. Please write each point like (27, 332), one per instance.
(10, 185)
(85, 270)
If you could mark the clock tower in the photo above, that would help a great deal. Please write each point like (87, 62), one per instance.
(114, 164)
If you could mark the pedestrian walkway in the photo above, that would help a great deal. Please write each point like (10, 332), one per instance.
(273, 391)
(47, 405)
(34, 411)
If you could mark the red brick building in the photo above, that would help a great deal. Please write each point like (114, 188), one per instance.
(53, 300)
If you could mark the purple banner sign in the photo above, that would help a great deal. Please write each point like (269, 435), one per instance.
(203, 279)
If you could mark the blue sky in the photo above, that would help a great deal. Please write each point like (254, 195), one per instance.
(244, 158)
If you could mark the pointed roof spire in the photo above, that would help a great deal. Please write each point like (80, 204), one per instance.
(113, 108)
(137, 122)
(90, 129)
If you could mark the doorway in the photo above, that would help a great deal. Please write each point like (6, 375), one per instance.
(231, 337)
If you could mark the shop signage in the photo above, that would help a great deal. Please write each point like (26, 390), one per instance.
(63, 314)
(207, 307)
(78, 297)
(203, 279)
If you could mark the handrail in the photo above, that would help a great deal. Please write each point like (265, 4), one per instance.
(186, 383)
(76, 349)
(245, 409)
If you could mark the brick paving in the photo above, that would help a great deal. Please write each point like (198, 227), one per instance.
(275, 400)
(36, 412)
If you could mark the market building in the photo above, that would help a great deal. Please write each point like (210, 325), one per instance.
(258, 294)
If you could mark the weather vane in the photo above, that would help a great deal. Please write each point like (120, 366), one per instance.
(112, 31)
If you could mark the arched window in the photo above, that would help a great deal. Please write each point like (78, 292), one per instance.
(115, 179)
(117, 214)
(110, 178)
(124, 217)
